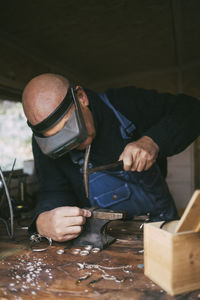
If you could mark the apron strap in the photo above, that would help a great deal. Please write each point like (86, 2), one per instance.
(127, 127)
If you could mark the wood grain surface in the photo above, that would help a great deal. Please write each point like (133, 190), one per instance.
(114, 273)
(190, 220)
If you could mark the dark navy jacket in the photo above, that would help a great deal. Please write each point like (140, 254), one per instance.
(172, 121)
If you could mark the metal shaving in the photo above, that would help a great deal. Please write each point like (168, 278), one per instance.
(25, 275)
(99, 267)
(86, 276)
(103, 269)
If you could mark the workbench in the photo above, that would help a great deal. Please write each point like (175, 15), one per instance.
(114, 273)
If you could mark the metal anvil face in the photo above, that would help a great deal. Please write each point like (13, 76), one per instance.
(94, 230)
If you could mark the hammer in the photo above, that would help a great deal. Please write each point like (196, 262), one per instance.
(87, 171)
(94, 230)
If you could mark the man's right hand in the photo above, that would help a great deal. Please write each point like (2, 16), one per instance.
(62, 223)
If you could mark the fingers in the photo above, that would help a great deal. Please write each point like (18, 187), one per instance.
(67, 233)
(72, 221)
(72, 211)
(63, 232)
(138, 165)
(139, 155)
(141, 162)
(130, 158)
(86, 213)
(69, 237)
(128, 161)
(137, 162)
(73, 230)
(64, 238)
(149, 164)
(62, 223)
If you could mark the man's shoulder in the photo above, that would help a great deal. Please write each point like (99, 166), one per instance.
(129, 94)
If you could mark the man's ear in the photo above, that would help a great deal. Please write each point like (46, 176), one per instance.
(81, 95)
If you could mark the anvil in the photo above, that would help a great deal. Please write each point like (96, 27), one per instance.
(94, 230)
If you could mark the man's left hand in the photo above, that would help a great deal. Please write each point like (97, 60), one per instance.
(140, 155)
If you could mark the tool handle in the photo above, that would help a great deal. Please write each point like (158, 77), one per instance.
(118, 163)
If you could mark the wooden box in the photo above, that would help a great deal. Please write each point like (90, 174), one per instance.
(172, 260)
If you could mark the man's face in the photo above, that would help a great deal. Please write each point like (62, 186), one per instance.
(88, 118)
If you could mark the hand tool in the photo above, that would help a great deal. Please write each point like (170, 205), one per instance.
(94, 230)
(87, 171)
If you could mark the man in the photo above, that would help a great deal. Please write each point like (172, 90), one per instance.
(140, 128)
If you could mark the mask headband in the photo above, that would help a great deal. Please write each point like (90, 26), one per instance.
(69, 137)
(55, 116)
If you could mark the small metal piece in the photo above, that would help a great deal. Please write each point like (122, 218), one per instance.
(107, 215)
(141, 226)
(95, 250)
(84, 252)
(88, 247)
(23, 227)
(76, 251)
(85, 277)
(145, 221)
(60, 251)
(141, 251)
(108, 277)
(36, 239)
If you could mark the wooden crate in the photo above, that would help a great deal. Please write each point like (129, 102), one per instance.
(172, 260)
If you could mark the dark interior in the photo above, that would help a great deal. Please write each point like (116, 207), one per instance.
(152, 44)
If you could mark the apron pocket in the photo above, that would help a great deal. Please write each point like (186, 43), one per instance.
(114, 196)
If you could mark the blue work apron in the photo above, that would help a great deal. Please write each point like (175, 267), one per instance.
(136, 193)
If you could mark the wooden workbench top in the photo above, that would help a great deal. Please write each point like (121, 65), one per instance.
(114, 273)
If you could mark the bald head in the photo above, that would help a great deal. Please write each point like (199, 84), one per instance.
(42, 95)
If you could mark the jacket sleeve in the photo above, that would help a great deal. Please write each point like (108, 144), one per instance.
(179, 125)
(53, 186)
(172, 121)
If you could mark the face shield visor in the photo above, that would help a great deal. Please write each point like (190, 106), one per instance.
(70, 136)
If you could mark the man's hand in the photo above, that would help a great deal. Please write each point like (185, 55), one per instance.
(139, 155)
(62, 223)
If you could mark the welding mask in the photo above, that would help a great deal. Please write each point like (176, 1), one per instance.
(70, 136)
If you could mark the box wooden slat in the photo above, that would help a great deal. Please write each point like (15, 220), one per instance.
(172, 260)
